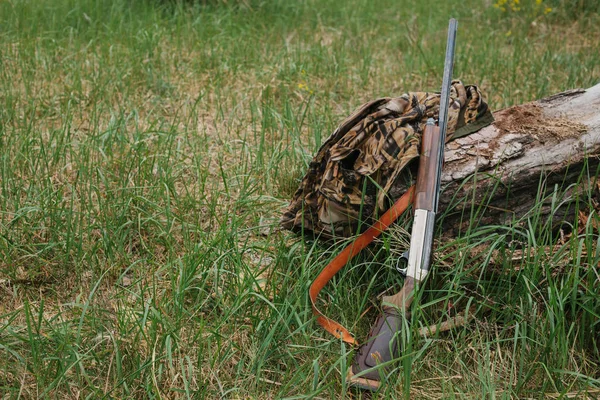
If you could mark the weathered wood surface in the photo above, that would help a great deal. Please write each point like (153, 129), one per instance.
(548, 141)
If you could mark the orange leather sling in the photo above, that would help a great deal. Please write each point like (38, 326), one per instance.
(346, 255)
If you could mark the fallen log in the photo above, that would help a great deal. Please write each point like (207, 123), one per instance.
(540, 145)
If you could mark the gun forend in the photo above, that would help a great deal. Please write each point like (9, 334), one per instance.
(427, 181)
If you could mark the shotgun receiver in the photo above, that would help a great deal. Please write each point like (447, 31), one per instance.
(382, 346)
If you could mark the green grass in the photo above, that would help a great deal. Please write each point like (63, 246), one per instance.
(147, 149)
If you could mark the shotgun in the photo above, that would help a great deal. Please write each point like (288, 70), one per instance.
(382, 345)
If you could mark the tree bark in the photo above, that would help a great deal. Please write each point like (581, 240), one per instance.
(553, 142)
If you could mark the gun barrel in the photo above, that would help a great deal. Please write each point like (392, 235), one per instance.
(445, 101)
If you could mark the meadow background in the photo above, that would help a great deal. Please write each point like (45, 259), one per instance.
(147, 149)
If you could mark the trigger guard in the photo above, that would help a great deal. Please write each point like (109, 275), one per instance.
(403, 260)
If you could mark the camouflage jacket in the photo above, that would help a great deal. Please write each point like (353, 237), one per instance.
(361, 169)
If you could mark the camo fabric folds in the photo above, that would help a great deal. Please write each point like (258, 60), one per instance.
(361, 169)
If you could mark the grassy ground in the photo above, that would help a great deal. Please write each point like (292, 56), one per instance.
(147, 149)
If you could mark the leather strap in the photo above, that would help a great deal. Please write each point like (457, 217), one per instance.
(346, 255)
